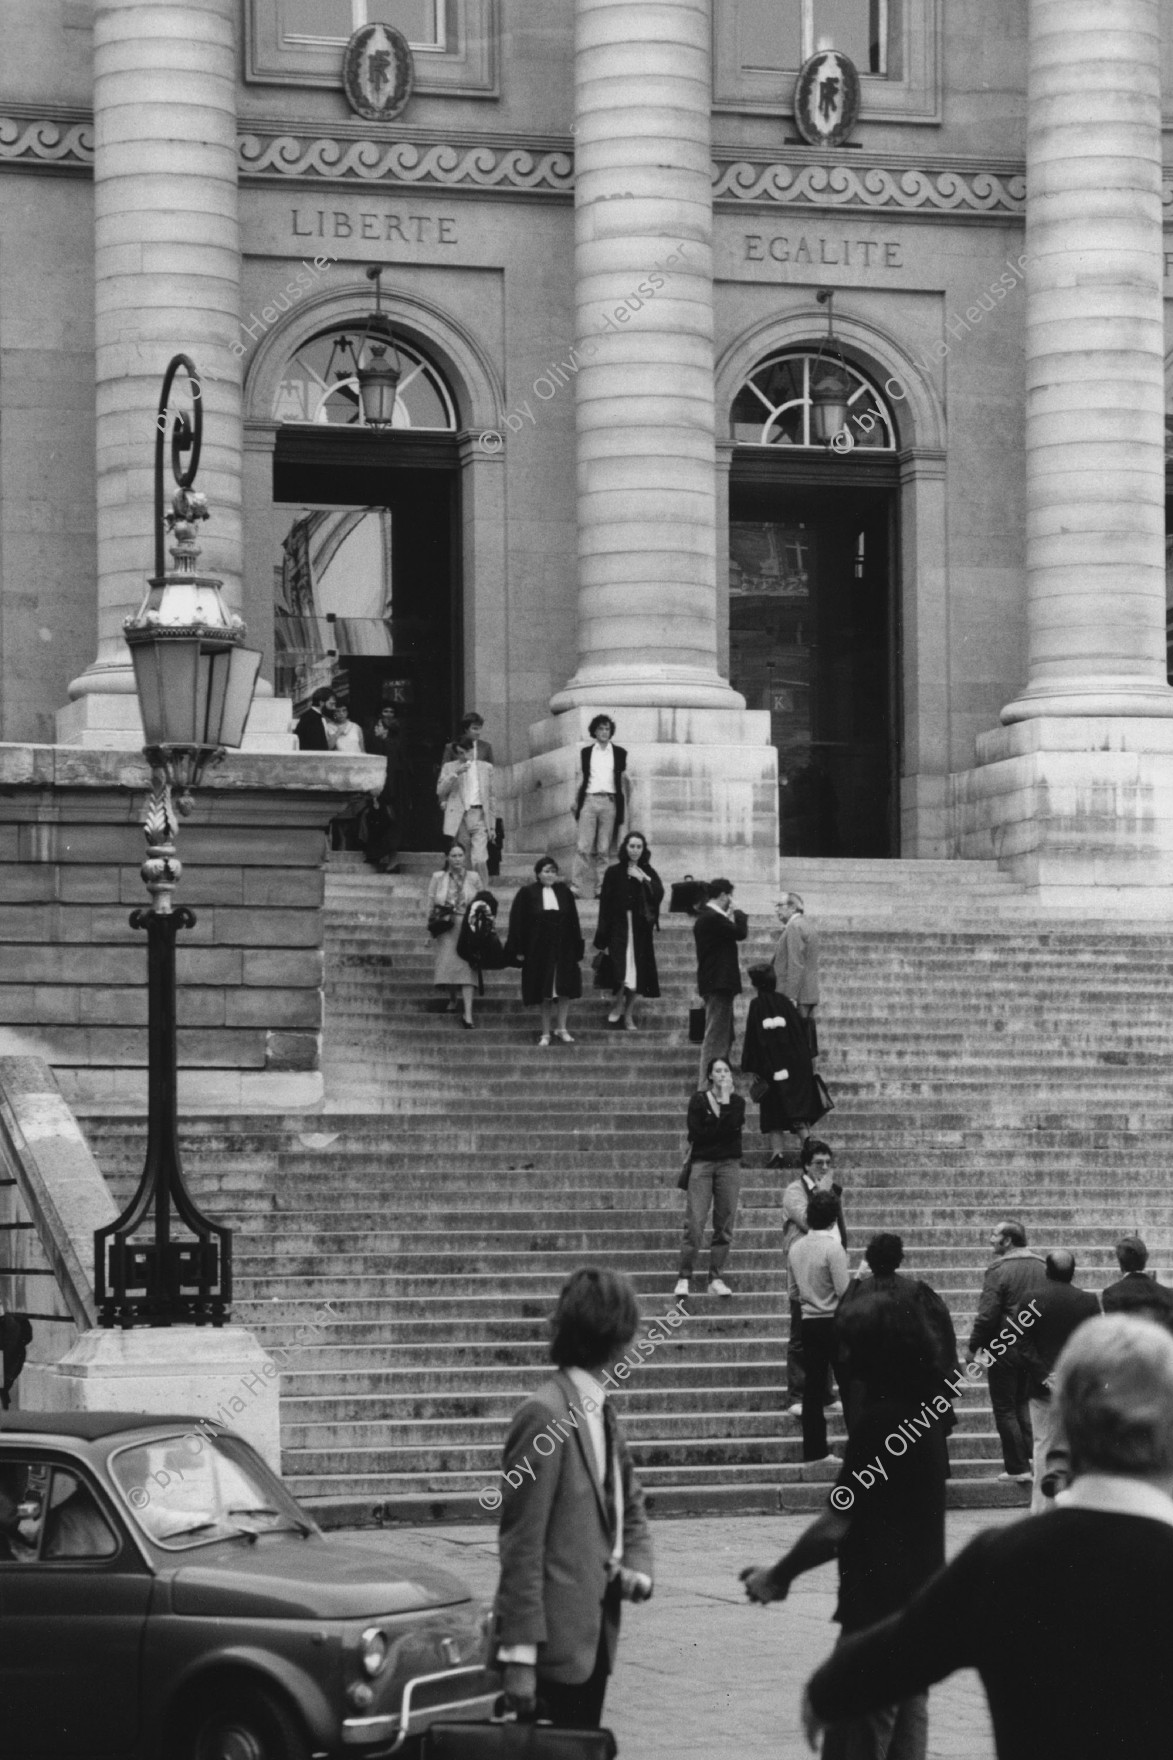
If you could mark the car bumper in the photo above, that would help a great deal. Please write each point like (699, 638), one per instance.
(456, 1695)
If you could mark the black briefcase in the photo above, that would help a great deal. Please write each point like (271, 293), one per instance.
(515, 1741)
(688, 895)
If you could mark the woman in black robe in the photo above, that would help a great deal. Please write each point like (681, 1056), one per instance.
(545, 940)
(775, 1051)
(629, 915)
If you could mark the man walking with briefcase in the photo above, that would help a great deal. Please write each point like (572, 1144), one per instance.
(574, 1540)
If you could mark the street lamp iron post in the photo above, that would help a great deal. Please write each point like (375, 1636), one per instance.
(195, 681)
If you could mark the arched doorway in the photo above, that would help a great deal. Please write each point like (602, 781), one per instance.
(814, 636)
(367, 586)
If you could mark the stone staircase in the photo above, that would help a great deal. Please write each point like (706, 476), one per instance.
(984, 1061)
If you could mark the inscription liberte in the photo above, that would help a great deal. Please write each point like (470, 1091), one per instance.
(387, 225)
(784, 248)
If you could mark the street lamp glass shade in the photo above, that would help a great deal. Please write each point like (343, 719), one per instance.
(233, 679)
(829, 410)
(378, 383)
(167, 674)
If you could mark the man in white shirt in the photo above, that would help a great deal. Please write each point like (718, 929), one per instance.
(465, 790)
(574, 1540)
(818, 1279)
(599, 806)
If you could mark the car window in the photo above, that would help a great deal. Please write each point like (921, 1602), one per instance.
(24, 1487)
(186, 1490)
(74, 1526)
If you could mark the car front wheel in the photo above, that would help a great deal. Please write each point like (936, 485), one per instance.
(248, 1724)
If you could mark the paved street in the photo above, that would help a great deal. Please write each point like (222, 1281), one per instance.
(703, 1673)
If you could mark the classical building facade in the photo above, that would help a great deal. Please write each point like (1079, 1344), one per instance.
(604, 249)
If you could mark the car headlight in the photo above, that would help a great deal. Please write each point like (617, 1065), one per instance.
(372, 1651)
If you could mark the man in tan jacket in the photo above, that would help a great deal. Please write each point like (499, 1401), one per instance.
(465, 791)
(796, 962)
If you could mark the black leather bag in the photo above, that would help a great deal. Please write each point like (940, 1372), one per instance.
(441, 917)
(696, 1025)
(823, 1094)
(515, 1741)
(688, 895)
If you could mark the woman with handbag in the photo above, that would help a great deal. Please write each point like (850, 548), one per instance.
(545, 940)
(775, 1051)
(629, 915)
(712, 1175)
(450, 892)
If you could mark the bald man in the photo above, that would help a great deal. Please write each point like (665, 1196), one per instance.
(1061, 1307)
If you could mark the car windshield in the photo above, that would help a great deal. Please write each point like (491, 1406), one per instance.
(187, 1490)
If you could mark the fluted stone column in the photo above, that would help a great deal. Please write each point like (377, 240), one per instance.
(704, 774)
(167, 281)
(647, 606)
(1074, 793)
(1095, 346)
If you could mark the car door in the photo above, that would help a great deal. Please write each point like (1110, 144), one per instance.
(74, 1594)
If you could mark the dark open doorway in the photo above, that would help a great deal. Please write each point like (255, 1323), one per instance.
(369, 596)
(814, 639)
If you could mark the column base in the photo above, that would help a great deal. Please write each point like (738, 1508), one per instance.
(110, 721)
(1080, 809)
(704, 791)
(219, 1373)
(647, 687)
(1092, 697)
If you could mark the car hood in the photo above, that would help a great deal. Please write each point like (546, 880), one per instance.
(287, 1577)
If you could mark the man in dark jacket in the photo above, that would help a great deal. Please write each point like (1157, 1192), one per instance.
(1015, 1276)
(1068, 1619)
(16, 1334)
(855, 1323)
(885, 1523)
(1137, 1292)
(717, 930)
(599, 806)
(311, 727)
(1060, 1308)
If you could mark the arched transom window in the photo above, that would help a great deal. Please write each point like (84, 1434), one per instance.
(773, 408)
(319, 385)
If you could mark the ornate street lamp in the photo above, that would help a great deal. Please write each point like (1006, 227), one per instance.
(830, 384)
(378, 379)
(195, 681)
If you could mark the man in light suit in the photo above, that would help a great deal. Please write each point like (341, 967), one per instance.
(574, 1540)
(465, 790)
(796, 962)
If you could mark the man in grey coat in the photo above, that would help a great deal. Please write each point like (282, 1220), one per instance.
(574, 1540)
(796, 962)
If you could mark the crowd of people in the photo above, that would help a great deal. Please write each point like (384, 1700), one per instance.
(1023, 1605)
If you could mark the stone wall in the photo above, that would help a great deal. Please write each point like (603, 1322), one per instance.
(73, 971)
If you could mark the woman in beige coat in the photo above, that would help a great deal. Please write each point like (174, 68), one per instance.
(453, 888)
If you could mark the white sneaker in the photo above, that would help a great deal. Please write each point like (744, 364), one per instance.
(718, 1287)
(681, 1287)
(794, 1411)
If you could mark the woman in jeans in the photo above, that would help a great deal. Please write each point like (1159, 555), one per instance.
(715, 1119)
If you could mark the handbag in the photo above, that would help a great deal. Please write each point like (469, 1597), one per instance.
(441, 917)
(515, 1741)
(604, 970)
(685, 1174)
(758, 1089)
(696, 1025)
(688, 895)
(823, 1096)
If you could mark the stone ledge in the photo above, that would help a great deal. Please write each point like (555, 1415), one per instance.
(61, 767)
